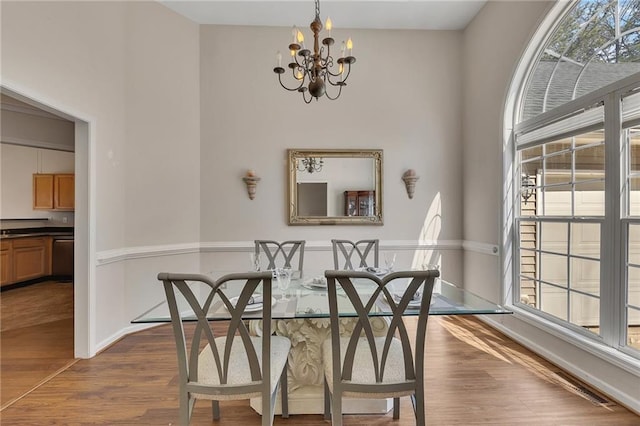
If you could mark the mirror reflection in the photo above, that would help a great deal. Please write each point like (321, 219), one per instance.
(335, 187)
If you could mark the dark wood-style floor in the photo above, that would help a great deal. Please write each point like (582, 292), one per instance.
(474, 376)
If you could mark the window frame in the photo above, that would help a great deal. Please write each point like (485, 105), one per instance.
(614, 238)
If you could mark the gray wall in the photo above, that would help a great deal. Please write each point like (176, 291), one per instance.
(405, 103)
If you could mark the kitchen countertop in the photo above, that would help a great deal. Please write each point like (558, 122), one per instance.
(36, 234)
(52, 231)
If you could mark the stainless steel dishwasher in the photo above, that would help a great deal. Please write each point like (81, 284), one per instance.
(62, 257)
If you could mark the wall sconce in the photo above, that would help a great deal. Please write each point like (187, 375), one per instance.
(251, 180)
(527, 187)
(409, 177)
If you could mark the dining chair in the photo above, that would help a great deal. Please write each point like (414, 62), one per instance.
(364, 365)
(231, 366)
(282, 254)
(360, 251)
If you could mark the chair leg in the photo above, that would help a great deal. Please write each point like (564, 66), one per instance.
(284, 394)
(268, 404)
(215, 410)
(327, 401)
(421, 417)
(396, 408)
(186, 405)
(336, 408)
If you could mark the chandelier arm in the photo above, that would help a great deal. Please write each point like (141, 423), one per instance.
(306, 101)
(334, 83)
(348, 71)
(334, 74)
(295, 89)
(337, 96)
(303, 64)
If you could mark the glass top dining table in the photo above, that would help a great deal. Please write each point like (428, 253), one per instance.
(306, 298)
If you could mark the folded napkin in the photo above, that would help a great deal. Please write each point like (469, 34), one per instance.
(254, 300)
(319, 281)
(376, 271)
(417, 299)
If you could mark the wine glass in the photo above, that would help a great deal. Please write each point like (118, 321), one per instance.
(283, 277)
(255, 261)
(389, 261)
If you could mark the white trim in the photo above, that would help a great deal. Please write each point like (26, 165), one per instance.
(117, 255)
(37, 144)
(607, 354)
(30, 111)
(631, 107)
(587, 119)
(483, 248)
(123, 332)
(85, 216)
(111, 256)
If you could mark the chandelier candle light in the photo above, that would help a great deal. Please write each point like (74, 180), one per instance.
(315, 70)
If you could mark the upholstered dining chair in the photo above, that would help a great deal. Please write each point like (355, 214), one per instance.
(282, 254)
(234, 365)
(364, 365)
(355, 254)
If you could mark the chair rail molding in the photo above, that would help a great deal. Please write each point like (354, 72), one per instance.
(122, 254)
(127, 253)
(483, 248)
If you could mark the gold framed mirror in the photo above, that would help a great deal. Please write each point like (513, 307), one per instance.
(335, 187)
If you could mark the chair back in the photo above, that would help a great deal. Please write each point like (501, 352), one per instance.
(282, 254)
(198, 292)
(351, 255)
(407, 285)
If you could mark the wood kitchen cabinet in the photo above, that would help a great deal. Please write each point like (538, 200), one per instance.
(25, 259)
(54, 192)
(6, 263)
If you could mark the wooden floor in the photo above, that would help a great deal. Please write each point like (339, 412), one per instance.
(474, 376)
(36, 336)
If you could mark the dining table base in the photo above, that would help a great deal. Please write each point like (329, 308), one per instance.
(305, 365)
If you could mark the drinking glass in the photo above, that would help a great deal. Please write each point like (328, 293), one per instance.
(389, 261)
(283, 277)
(255, 261)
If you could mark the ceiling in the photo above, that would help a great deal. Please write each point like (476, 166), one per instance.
(372, 14)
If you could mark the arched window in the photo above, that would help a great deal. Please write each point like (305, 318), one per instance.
(595, 44)
(576, 133)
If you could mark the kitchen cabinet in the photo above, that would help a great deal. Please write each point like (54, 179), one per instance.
(6, 263)
(64, 194)
(25, 259)
(54, 192)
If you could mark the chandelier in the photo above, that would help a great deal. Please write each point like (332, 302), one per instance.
(310, 164)
(315, 71)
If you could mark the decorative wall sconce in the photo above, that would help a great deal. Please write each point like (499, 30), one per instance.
(527, 187)
(251, 180)
(409, 177)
